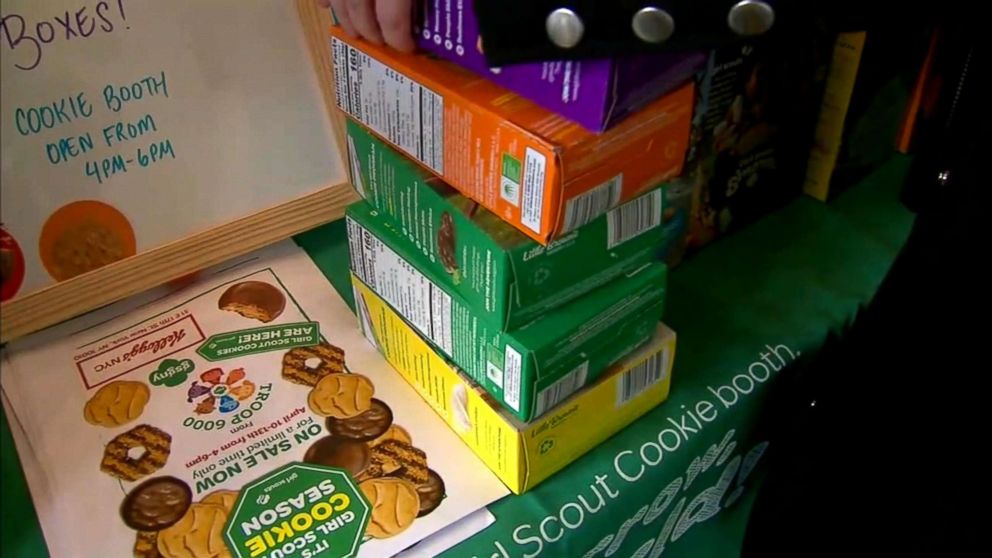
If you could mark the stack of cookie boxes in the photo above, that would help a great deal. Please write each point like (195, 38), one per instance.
(506, 260)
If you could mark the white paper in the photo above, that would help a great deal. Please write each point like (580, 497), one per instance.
(45, 387)
(450, 535)
(231, 119)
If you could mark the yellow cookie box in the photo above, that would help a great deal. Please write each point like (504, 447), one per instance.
(522, 454)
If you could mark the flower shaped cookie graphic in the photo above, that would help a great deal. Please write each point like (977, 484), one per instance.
(218, 391)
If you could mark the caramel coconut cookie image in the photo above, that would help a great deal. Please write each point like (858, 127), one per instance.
(307, 365)
(151, 444)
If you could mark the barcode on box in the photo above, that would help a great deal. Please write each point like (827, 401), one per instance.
(642, 377)
(586, 207)
(396, 107)
(562, 389)
(633, 219)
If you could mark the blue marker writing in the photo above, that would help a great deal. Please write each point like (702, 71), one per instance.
(116, 96)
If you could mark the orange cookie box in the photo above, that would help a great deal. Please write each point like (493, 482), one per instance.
(538, 171)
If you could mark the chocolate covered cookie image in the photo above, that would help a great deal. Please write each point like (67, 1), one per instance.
(431, 493)
(363, 427)
(137, 453)
(156, 503)
(255, 300)
(331, 451)
(446, 243)
(307, 365)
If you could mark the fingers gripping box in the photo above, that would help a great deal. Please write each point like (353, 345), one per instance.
(522, 454)
(502, 273)
(529, 369)
(596, 93)
(540, 172)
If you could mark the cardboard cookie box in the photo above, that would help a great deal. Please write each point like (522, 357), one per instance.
(502, 273)
(522, 454)
(529, 369)
(596, 93)
(543, 174)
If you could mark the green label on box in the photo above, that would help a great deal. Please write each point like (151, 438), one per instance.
(511, 168)
(299, 510)
(260, 340)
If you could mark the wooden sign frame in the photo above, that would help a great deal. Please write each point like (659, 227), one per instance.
(51, 305)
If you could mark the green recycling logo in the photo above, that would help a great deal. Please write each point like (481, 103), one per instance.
(298, 510)
(546, 446)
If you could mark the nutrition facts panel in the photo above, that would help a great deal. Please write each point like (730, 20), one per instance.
(396, 107)
(408, 291)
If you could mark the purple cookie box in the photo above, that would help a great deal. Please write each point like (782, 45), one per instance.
(594, 93)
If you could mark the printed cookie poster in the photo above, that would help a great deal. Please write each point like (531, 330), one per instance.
(242, 416)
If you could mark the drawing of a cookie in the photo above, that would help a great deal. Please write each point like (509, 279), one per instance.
(446, 245)
(116, 403)
(344, 454)
(151, 448)
(83, 236)
(341, 396)
(402, 460)
(255, 300)
(199, 533)
(11, 266)
(156, 504)
(307, 365)
(365, 426)
(394, 432)
(223, 498)
(431, 493)
(146, 545)
(395, 505)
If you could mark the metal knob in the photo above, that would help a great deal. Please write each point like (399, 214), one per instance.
(749, 18)
(653, 25)
(564, 27)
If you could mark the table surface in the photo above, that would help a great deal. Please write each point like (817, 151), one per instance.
(679, 481)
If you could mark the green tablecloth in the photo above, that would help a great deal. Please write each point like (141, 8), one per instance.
(678, 482)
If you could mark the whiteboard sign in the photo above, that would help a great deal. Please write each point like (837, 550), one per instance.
(131, 124)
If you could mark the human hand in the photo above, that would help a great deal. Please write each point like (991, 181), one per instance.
(378, 21)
